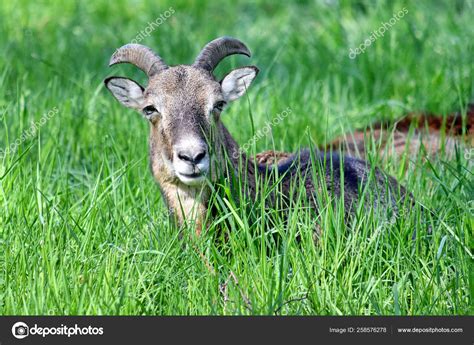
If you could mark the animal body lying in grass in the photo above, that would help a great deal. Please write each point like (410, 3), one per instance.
(431, 135)
(190, 148)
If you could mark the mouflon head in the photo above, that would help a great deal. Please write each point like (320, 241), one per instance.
(183, 103)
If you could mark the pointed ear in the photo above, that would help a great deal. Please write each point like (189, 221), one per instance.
(236, 82)
(127, 92)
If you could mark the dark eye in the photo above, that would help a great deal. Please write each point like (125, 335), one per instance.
(149, 110)
(219, 106)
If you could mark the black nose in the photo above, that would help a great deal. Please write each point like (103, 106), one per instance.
(193, 158)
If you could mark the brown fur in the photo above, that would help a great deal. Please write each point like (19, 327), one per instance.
(182, 106)
(414, 134)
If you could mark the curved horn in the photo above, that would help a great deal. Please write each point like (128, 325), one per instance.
(141, 56)
(216, 50)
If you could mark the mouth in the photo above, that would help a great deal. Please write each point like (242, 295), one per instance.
(193, 179)
(193, 175)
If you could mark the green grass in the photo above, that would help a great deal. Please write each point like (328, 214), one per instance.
(83, 229)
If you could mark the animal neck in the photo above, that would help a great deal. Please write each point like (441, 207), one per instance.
(241, 167)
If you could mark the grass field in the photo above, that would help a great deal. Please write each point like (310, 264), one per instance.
(83, 229)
